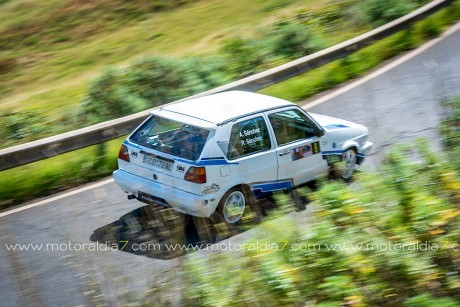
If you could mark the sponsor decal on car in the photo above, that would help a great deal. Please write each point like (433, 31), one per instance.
(304, 151)
(210, 189)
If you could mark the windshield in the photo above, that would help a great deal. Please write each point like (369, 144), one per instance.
(172, 137)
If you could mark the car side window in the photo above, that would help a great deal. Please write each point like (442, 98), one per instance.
(290, 126)
(248, 137)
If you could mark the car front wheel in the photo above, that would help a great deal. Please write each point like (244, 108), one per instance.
(349, 159)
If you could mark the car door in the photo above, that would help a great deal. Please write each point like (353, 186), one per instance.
(252, 151)
(298, 146)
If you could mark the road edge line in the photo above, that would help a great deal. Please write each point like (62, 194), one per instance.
(54, 198)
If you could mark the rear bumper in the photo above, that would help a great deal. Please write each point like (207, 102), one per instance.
(185, 202)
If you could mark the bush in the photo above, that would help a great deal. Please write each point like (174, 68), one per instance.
(431, 28)
(243, 56)
(205, 73)
(380, 12)
(108, 98)
(22, 125)
(160, 80)
(156, 80)
(394, 247)
(24, 183)
(147, 83)
(450, 128)
(293, 40)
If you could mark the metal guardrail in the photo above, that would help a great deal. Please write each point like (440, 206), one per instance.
(62, 143)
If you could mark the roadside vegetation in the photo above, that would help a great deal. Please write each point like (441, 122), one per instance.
(450, 129)
(52, 70)
(58, 173)
(395, 247)
(152, 80)
(362, 61)
(52, 51)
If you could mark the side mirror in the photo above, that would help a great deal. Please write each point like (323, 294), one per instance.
(319, 131)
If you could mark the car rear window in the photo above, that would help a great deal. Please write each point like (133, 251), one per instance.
(169, 136)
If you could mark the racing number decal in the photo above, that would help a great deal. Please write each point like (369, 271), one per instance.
(316, 148)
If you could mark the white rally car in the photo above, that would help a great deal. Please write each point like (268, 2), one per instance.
(215, 153)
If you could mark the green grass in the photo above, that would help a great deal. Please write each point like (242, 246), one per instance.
(51, 75)
(51, 63)
(53, 50)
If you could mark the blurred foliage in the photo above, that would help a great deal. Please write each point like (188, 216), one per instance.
(242, 57)
(18, 125)
(147, 83)
(360, 62)
(271, 5)
(57, 46)
(293, 40)
(380, 12)
(397, 246)
(431, 28)
(58, 173)
(154, 80)
(7, 64)
(450, 128)
(107, 99)
(76, 20)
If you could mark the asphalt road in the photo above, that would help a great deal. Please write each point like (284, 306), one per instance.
(398, 106)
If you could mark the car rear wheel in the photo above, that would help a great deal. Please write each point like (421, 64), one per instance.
(349, 159)
(232, 205)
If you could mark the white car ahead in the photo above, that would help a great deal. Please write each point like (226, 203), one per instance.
(218, 152)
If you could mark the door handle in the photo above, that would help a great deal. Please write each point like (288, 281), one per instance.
(283, 153)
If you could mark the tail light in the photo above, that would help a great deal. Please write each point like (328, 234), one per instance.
(196, 174)
(123, 154)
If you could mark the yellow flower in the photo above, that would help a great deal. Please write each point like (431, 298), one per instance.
(367, 269)
(355, 300)
(448, 214)
(455, 285)
(436, 232)
(357, 210)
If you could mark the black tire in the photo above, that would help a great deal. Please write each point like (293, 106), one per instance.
(298, 201)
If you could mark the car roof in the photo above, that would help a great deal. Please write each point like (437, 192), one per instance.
(222, 107)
